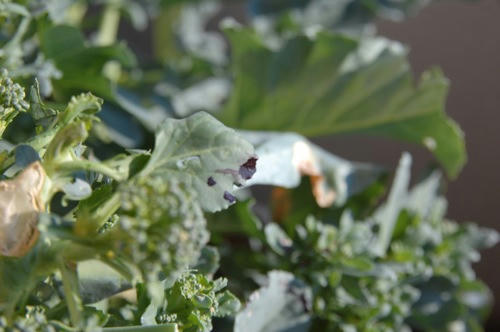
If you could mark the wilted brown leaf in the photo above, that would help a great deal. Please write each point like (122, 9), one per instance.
(20, 203)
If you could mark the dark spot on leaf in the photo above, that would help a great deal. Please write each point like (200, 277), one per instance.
(211, 182)
(248, 169)
(228, 197)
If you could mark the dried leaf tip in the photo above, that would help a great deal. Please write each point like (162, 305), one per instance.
(248, 169)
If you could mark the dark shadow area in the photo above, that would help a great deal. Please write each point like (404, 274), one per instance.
(463, 39)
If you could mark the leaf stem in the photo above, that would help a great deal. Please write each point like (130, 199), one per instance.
(85, 165)
(108, 28)
(71, 292)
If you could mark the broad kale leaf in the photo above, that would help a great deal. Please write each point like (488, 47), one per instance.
(321, 85)
(203, 153)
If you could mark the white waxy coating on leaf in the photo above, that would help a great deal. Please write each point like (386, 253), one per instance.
(285, 157)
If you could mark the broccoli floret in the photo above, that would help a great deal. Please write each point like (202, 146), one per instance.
(166, 223)
(11, 100)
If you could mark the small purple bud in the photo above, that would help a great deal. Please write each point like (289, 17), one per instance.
(228, 197)
(211, 182)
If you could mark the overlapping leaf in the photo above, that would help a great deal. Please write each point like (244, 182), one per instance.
(203, 153)
(285, 157)
(323, 85)
(66, 46)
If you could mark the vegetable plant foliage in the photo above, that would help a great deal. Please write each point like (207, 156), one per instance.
(128, 168)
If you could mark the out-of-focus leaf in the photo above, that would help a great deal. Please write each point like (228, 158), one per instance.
(207, 95)
(339, 13)
(228, 304)
(77, 190)
(98, 281)
(320, 85)
(259, 7)
(203, 153)
(8, 7)
(285, 157)
(282, 305)
(444, 303)
(150, 117)
(195, 38)
(423, 197)
(387, 215)
(277, 239)
(119, 127)
(170, 327)
(66, 46)
(250, 223)
(208, 263)
(25, 155)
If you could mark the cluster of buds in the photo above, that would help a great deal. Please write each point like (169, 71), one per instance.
(11, 100)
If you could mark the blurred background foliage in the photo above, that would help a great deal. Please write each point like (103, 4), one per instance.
(314, 68)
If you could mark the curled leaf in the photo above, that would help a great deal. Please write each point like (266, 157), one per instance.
(20, 203)
(285, 157)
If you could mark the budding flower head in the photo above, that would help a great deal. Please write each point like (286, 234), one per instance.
(11, 100)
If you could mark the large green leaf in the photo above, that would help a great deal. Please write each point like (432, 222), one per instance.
(203, 153)
(330, 84)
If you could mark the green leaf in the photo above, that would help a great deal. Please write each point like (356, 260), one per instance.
(331, 84)
(282, 305)
(228, 304)
(338, 14)
(203, 153)
(98, 281)
(387, 215)
(209, 261)
(444, 303)
(25, 155)
(66, 46)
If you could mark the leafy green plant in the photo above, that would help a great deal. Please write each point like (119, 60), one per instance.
(127, 172)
